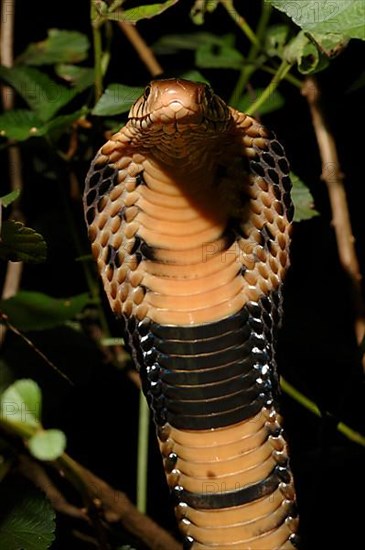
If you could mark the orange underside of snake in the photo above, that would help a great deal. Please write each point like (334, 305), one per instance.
(164, 255)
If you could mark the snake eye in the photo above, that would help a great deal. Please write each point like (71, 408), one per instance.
(147, 92)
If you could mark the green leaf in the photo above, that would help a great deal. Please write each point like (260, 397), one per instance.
(47, 444)
(61, 46)
(27, 518)
(302, 199)
(274, 102)
(5, 200)
(330, 44)
(21, 243)
(19, 124)
(37, 311)
(80, 77)
(173, 43)
(55, 127)
(219, 56)
(116, 99)
(21, 403)
(195, 76)
(201, 8)
(133, 15)
(275, 39)
(43, 95)
(344, 18)
(304, 52)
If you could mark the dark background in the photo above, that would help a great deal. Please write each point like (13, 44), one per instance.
(317, 349)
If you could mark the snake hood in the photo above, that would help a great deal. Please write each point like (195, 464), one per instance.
(188, 210)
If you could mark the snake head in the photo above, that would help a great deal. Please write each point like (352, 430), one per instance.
(177, 104)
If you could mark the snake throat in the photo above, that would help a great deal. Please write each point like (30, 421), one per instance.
(188, 210)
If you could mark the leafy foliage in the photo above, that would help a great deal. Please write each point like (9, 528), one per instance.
(47, 444)
(117, 99)
(9, 198)
(303, 201)
(44, 96)
(37, 311)
(19, 124)
(336, 21)
(60, 46)
(21, 403)
(27, 519)
(20, 406)
(274, 102)
(133, 15)
(21, 243)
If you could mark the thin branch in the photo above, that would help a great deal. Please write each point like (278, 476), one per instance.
(6, 47)
(303, 400)
(240, 21)
(141, 47)
(13, 329)
(333, 178)
(249, 65)
(289, 77)
(14, 270)
(13, 275)
(98, 51)
(33, 471)
(142, 454)
(97, 331)
(281, 73)
(101, 500)
(115, 506)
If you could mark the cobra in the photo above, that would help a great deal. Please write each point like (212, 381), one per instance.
(188, 211)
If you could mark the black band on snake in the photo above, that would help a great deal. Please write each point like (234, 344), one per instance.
(188, 210)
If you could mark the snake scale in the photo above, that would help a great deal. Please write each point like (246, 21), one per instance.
(188, 210)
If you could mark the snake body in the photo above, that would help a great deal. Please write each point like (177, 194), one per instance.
(188, 210)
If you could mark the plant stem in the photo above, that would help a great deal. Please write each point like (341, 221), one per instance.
(14, 270)
(141, 47)
(333, 177)
(142, 458)
(114, 505)
(18, 333)
(250, 66)
(289, 77)
(278, 77)
(98, 70)
(313, 408)
(25, 431)
(87, 266)
(241, 21)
